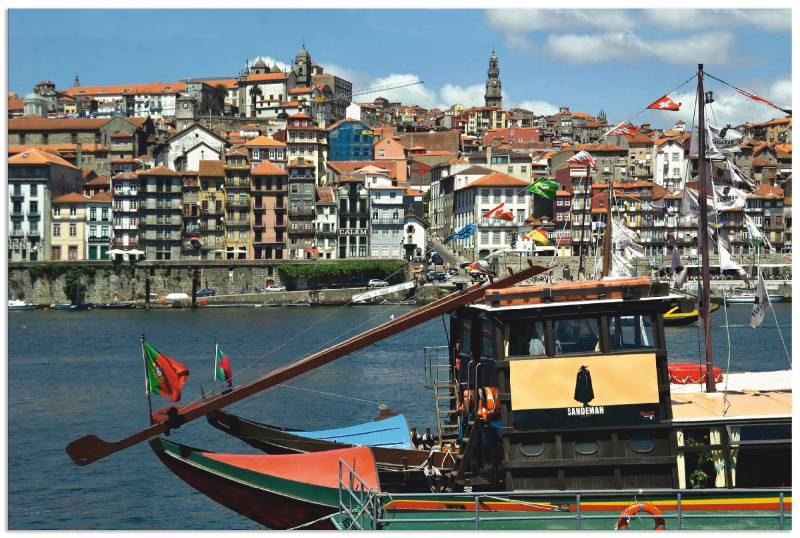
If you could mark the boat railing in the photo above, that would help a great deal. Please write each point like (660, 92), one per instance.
(575, 508)
(358, 503)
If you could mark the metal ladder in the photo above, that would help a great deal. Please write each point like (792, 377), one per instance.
(437, 372)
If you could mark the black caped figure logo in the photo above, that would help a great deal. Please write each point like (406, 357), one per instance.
(583, 386)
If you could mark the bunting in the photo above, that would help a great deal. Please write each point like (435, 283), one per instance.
(498, 212)
(757, 237)
(755, 97)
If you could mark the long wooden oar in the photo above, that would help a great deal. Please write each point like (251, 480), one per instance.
(91, 448)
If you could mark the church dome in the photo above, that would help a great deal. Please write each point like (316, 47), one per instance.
(260, 64)
(302, 53)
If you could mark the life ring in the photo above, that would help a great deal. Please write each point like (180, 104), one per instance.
(489, 402)
(632, 510)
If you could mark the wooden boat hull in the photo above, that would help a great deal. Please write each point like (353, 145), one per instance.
(273, 501)
(399, 469)
(22, 308)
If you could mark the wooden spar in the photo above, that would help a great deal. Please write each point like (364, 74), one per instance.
(702, 233)
(91, 448)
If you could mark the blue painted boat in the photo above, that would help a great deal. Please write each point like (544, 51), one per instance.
(391, 432)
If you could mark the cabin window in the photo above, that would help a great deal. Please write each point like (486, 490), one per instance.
(586, 448)
(642, 443)
(526, 338)
(576, 336)
(531, 449)
(488, 344)
(630, 332)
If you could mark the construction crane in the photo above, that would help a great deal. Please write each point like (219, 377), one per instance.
(376, 89)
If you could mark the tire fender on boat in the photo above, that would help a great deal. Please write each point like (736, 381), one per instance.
(632, 510)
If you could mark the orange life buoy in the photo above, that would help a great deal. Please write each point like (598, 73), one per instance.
(489, 402)
(632, 510)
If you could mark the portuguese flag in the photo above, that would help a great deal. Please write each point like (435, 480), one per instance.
(165, 376)
(222, 367)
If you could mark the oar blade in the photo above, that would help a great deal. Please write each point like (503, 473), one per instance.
(89, 449)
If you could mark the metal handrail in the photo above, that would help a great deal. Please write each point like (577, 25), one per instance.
(366, 507)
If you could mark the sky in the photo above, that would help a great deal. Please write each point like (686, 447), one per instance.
(617, 60)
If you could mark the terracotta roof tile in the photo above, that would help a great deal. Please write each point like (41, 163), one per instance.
(158, 171)
(35, 156)
(99, 181)
(102, 196)
(266, 168)
(147, 88)
(264, 77)
(121, 134)
(497, 179)
(325, 195)
(71, 198)
(264, 141)
(30, 123)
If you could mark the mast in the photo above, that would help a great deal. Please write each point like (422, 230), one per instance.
(583, 220)
(607, 234)
(702, 233)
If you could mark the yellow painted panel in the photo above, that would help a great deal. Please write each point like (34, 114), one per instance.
(615, 380)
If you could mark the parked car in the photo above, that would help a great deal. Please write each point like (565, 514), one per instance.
(437, 260)
(274, 287)
(206, 292)
(375, 283)
(436, 276)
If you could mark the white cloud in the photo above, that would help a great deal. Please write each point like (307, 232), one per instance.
(592, 48)
(729, 106)
(773, 20)
(470, 96)
(530, 20)
(417, 94)
(358, 79)
(540, 108)
(521, 43)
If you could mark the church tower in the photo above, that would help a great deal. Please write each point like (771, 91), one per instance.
(302, 67)
(494, 97)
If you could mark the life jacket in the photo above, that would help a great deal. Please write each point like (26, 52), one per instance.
(489, 404)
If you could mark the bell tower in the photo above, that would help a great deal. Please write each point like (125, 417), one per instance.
(494, 95)
(302, 67)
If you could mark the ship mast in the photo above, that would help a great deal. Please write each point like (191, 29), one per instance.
(702, 233)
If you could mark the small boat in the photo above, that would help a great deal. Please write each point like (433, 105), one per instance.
(16, 305)
(401, 467)
(675, 317)
(115, 306)
(277, 491)
(751, 298)
(63, 307)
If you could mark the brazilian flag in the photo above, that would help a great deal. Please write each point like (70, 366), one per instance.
(546, 188)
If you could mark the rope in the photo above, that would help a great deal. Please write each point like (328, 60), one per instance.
(545, 507)
(780, 333)
(323, 518)
(284, 385)
(725, 403)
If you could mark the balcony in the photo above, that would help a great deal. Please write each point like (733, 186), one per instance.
(302, 229)
(17, 233)
(16, 196)
(259, 225)
(99, 238)
(34, 215)
(244, 204)
(301, 211)
(34, 233)
(132, 243)
(400, 221)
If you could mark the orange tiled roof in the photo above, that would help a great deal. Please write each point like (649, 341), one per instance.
(14, 102)
(100, 181)
(266, 168)
(265, 77)
(31, 123)
(211, 168)
(58, 148)
(229, 83)
(264, 141)
(102, 196)
(71, 198)
(497, 179)
(767, 191)
(299, 90)
(146, 88)
(35, 156)
(158, 171)
(121, 134)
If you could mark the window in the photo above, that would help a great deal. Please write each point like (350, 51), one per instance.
(576, 335)
(630, 332)
(532, 449)
(586, 448)
(104, 213)
(73, 253)
(485, 196)
(510, 169)
(56, 230)
(526, 338)
(73, 230)
(92, 231)
(93, 213)
(104, 231)
(497, 193)
(57, 210)
(496, 238)
(642, 443)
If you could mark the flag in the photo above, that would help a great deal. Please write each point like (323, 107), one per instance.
(757, 237)
(665, 103)
(738, 178)
(623, 129)
(545, 187)
(222, 367)
(464, 233)
(679, 272)
(765, 101)
(761, 303)
(725, 260)
(537, 235)
(726, 197)
(582, 157)
(721, 141)
(481, 266)
(165, 376)
(497, 212)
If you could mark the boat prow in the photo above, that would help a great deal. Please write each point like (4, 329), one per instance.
(277, 491)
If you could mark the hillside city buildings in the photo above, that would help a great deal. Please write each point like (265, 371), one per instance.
(279, 165)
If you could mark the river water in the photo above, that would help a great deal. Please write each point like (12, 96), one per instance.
(73, 373)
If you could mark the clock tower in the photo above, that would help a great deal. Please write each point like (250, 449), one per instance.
(185, 106)
(494, 96)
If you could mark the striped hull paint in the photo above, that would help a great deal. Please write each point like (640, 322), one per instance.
(274, 502)
(552, 504)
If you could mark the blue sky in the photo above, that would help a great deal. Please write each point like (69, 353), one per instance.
(617, 60)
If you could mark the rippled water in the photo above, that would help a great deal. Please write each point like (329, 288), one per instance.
(73, 373)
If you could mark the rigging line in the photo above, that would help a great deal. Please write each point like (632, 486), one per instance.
(780, 333)
(744, 92)
(284, 385)
(681, 85)
(725, 403)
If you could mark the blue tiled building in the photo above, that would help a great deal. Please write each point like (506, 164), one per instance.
(349, 140)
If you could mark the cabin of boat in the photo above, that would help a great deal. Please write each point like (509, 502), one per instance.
(566, 387)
